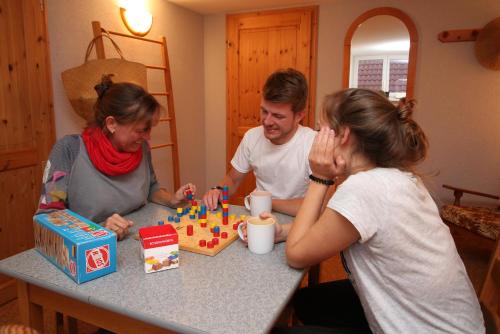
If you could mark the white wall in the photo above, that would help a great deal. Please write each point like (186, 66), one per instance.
(70, 30)
(215, 98)
(458, 100)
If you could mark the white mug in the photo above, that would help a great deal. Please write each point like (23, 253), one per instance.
(258, 201)
(260, 234)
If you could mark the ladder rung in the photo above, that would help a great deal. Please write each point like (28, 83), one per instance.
(156, 67)
(135, 37)
(161, 94)
(161, 145)
(165, 119)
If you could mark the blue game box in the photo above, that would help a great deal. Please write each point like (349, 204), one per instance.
(82, 249)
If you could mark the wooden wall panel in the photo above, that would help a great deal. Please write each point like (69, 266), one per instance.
(18, 208)
(39, 85)
(26, 122)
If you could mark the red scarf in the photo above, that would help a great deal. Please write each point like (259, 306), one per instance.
(105, 157)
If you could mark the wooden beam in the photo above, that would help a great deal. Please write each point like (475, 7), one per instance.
(91, 314)
(99, 45)
(8, 291)
(31, 314)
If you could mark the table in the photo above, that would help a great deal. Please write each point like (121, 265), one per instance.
(234, 292)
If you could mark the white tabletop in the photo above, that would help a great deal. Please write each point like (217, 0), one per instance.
(235, 291)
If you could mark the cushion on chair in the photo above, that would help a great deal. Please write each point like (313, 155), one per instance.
(483, 221)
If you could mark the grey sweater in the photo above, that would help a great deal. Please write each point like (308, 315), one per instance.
(71, 181)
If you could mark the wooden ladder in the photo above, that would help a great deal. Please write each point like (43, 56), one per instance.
(98, 30)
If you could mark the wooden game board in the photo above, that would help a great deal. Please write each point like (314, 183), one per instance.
(191, 243)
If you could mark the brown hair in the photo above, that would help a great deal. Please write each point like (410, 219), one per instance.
(287, 86)
(125, 101)
(386, 134)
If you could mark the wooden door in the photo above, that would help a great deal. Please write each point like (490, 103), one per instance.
(257, 45)
(26, 123)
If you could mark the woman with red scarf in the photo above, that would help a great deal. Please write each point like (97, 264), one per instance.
(106, 172)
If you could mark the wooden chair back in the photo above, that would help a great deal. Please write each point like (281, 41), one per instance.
(490, 293)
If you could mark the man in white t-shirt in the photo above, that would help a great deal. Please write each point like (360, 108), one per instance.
(276, 151)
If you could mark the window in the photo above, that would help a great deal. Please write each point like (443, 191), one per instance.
(385, 73)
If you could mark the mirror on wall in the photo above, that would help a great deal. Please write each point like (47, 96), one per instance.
(380, 53)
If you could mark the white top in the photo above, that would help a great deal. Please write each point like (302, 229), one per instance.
(283, 170)
(405, 269)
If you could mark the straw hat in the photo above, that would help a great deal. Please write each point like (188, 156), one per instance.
(79, 81)
(488, 45)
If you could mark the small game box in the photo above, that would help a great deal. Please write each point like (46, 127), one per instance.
(80, 248)
(159, 247)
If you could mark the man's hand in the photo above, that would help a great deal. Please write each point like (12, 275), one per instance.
(212, 197)
(119, 225)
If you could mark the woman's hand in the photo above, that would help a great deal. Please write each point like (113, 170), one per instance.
(119, 225)
(324, 158)
(182, 193)
(280, 233)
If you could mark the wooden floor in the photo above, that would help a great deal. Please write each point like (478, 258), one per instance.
(474, 251)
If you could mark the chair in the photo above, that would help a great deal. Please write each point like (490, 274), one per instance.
(480, 220)
(490, 293)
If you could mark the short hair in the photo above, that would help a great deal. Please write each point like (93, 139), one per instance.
(287, 86)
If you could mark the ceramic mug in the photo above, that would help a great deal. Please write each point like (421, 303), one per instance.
(260, 234)
(258, 201)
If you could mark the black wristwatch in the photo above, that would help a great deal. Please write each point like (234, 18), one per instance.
(217, 187)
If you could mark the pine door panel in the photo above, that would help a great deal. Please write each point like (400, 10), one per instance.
(258, 44)
(26, 121)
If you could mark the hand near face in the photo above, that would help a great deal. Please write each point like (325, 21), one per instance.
(119, 225)
(324, 157)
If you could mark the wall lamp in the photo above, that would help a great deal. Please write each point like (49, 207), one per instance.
(138, 21)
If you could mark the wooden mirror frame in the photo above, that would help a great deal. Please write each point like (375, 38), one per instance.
(412, 55)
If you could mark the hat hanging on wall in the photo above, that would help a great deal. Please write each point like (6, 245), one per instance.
(79, 81)
(487, 46)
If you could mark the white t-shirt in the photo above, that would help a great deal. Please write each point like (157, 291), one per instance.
(405, 268)
(283, 170)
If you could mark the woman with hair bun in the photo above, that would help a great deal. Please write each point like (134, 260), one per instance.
(405, 275)
(106, 172)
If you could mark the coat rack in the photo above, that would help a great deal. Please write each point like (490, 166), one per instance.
(462, 35)
(487, 46)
